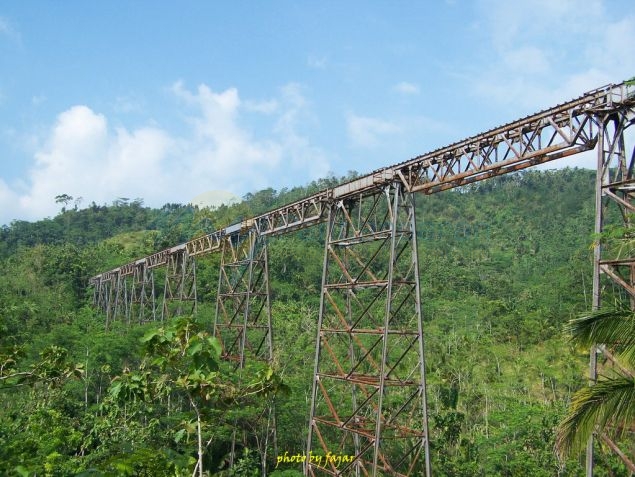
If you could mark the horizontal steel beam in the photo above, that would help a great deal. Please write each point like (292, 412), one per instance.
(551, 134)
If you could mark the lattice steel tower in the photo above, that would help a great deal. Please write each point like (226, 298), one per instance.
(369, 388)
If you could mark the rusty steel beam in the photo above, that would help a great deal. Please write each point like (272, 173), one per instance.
(369, 391)
(551, 134)
(179, 292)
(614, 260)
(242, 322)
(205, 244)
(121, 297)
(355, 349)
(243, 309)
(142, 294)
(295, 216)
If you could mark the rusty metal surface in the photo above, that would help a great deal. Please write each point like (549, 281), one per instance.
(370, 343)
(242, 322)
(243, 310)
(368, 398)
(179, 291)
(142, 294)
(551, 134)
(614, 264)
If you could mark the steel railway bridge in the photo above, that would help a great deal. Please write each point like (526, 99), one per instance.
(370, 342)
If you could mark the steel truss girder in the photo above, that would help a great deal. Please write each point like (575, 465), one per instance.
(614, 267)
(105, 293)
(179, 292)
(540, 138)
(551, 134)
(563, 130)
(369, 392)
(121, 302)
(297, 215)
(104, 284)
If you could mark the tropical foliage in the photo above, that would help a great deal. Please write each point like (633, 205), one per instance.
(505, 264)
(608, 405)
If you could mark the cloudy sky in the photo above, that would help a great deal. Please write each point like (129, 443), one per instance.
(165, 100)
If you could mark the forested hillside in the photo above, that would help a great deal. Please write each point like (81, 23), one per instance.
(504, 264)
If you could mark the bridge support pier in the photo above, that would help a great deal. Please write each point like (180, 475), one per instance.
(110, 297)
(142, 294)
(243, 320)
(614, 267)
(180, 285)
(369, 406)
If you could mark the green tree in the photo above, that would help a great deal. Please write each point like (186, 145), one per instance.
(187, 360)
(53, 367)
(63, 199)
(610, 402)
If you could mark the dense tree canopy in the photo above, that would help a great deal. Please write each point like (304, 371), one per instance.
(504, 264)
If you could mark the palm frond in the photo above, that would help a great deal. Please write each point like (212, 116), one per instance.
(612, 327)
(609, 401)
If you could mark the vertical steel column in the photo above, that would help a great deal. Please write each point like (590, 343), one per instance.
(112, 299)
(135, 290)
(148, 303)
(368, 411)
(110, 285)
(614, 205)
(101, 294)
(120, 306)
(142, 297)
(243, 316)
(180, 285)
(243, 307)
(96, 283)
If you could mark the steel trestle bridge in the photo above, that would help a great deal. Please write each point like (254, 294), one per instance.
(369, 380)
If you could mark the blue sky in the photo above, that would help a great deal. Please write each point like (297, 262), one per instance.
(165, 100)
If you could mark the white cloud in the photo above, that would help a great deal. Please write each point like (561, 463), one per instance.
(84, 156)
(366, 132)
(511, 23)
(295, 116)
(530, 59)
(7, 30)
(541, 52)
(406, 88)
(38, 100)
(265, 107)
(8, 197)
(127, 104)
(317, 62)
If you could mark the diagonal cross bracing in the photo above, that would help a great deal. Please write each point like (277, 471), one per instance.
(551, 134)
(142, 294)
(368, 352)
(179, 291)
(243, 312)
(242, 322)
(614, 261)
(368, 397)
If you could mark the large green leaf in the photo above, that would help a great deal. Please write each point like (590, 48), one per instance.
(612, 327)
(611, 401)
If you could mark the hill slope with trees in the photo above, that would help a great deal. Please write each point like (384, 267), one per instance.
(504, 264)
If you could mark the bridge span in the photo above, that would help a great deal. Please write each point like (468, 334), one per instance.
(370, 341)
